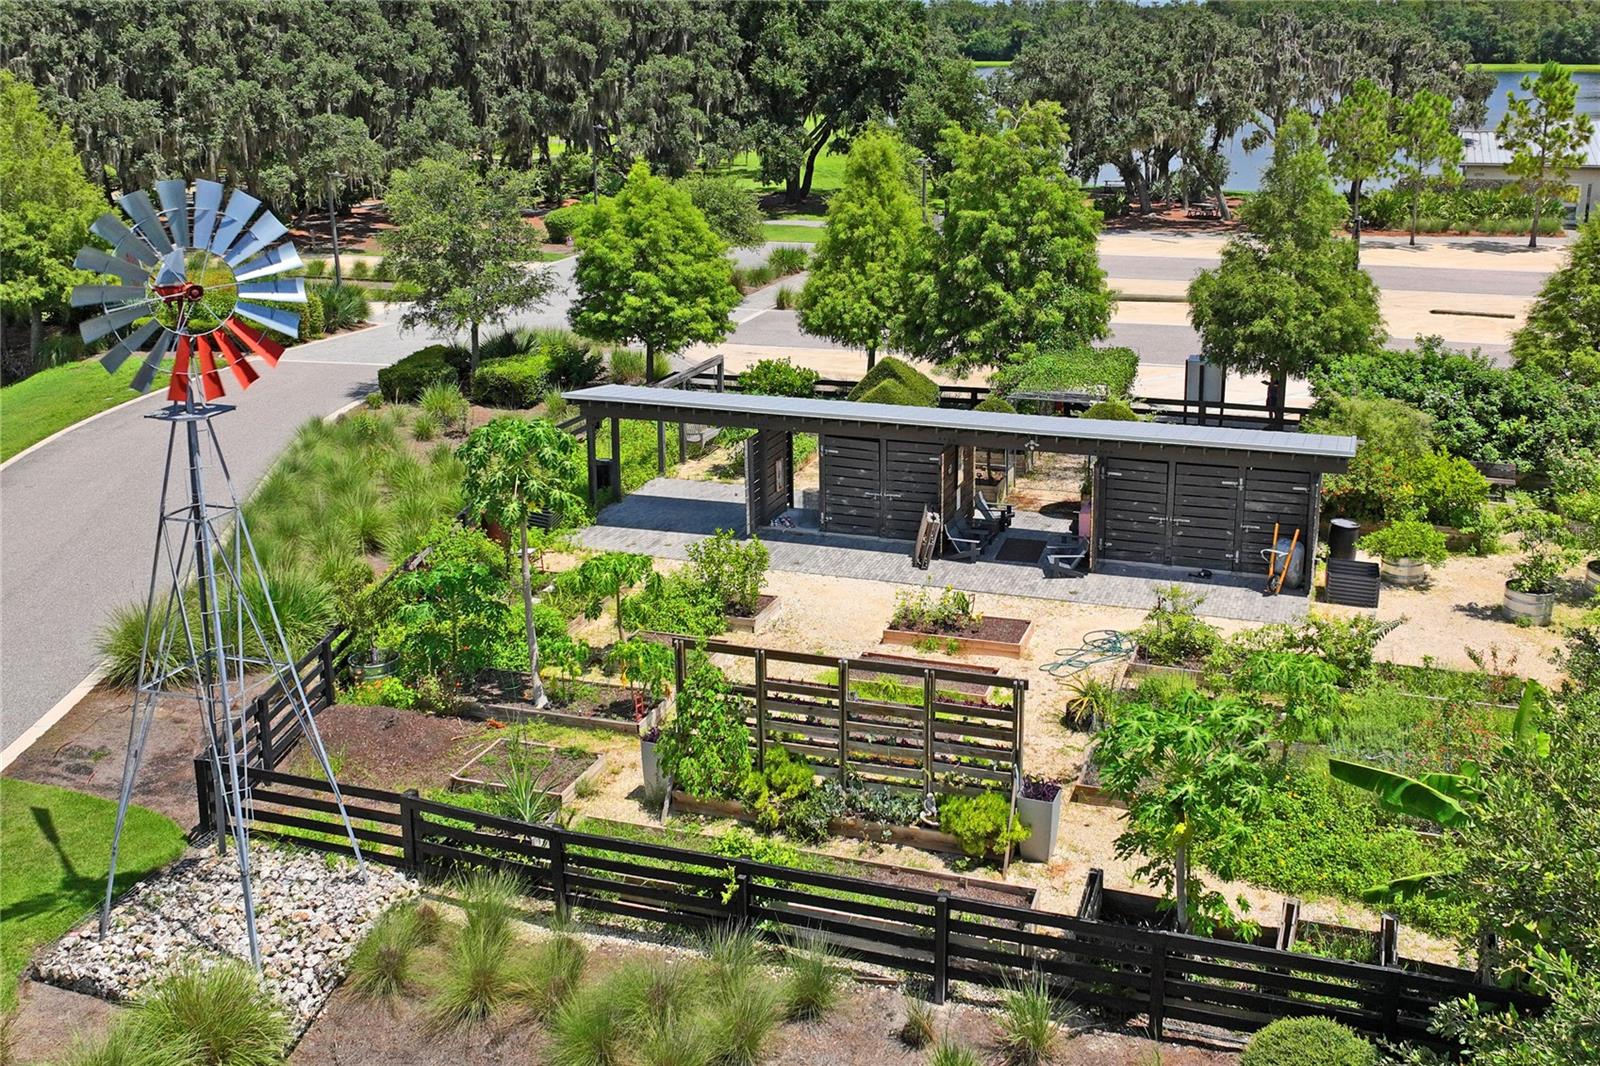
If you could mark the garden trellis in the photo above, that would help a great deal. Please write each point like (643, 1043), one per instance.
(197, 279)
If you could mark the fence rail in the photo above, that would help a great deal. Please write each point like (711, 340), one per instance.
(941, 936)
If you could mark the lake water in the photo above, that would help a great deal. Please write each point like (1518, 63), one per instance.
(1244, 168)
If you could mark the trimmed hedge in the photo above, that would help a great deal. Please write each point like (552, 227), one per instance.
(516, 382)
(561, 223)
(1069, 370)
(1111, 411)
(892, 392)
(404, 381)
(915, 388)
(1308, 1041)
(778, 377)
(995, 403)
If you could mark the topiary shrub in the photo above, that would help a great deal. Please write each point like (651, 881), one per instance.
(778, 377)
(920, 390)
(311, 320)
(1308, 1042)
(995, 403)
(404, 381)
(891, 392)
(515, 383)
(560, 224)
(1111, 411)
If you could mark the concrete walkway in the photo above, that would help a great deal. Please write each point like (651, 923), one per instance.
(666, 515)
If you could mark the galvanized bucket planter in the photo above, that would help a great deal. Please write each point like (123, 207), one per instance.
(1535, 607)
(1405, 572)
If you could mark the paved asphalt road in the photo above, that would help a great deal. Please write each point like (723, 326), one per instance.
(77, 515)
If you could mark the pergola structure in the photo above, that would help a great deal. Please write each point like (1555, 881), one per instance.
(1168, 495)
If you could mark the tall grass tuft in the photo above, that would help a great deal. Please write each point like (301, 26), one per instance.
(476, 981)
(1029, 1032)
(627, 366)
(589, 1030)
(381, 964)
(444, 402)
(948, 1053)
(685, 1042)
(742, 1019)
(733, 954)
(222, 1016)
(917, 1031)
(424, 427)
(548, 976)
(814, 983)
(654, 996)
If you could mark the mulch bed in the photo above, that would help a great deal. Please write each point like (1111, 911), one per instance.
(389, 748)
(762, 603)
(1000, 630)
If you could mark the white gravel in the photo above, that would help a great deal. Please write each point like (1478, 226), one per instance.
(310, 914)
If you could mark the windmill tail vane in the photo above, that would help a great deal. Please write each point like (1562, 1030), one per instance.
(198, 281)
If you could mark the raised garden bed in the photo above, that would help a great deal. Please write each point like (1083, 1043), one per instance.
(766, 610)
(1087, 789)
(966, 688)
(1141, 667)
(559, 771)
(1007, 637)
(582, 704)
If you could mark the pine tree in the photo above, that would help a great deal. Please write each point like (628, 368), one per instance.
(1562, 335)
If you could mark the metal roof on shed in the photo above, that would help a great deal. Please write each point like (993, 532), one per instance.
(1482, 148)
(1085, 435)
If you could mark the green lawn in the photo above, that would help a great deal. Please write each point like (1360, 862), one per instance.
(829, 175)
(991, 64)
(777, 231)
(1533, 68)
(54, 399)
(56, 845)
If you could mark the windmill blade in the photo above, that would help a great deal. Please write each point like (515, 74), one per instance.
(174, 197)
(152, 362)
(210, 380)
(282, 321)
(207, 205)
(125, 242)
(242, 370)
(91, 295)
(283, 290)
(178, 381)
(146, 222)
(264, 231)
(259, 343)
(101, 263)
(133, 342)
(174, 270)
(273, 261)
(241, 205)
(95, 328)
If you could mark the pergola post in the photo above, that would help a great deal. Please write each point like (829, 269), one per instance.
(661, 449)
(616, 456)
(591, 430)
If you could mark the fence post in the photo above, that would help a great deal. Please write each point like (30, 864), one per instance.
(264, 732)
(410, 854)
(941, 947)
(202, 796)
(679, 665)
(930, 693)
(1158, 985)
(761, 709)
(844, 718)
(328, 693)
(558, 873)
(741, 896)
(1391, 1004)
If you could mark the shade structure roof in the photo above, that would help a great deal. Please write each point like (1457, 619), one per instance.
(989, 429)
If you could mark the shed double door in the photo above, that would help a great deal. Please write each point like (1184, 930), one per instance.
(1198, 514)
(880, 488)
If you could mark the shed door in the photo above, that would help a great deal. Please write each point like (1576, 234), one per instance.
(1204, 523)
(1281, 496)
(1132, 515)
(852, 485)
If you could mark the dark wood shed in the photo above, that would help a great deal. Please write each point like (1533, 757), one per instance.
(1166, 495)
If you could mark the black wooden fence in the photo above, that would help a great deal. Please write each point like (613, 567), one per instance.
(938, 936)
(272, 726)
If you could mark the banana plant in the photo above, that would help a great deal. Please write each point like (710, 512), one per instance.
(1447, 800)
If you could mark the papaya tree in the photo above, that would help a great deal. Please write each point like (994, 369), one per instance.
(515, 468)
(604, 577)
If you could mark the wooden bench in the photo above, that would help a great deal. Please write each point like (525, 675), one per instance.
(1501, 476)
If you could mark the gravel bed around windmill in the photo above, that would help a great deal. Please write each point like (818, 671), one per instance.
(310, 915)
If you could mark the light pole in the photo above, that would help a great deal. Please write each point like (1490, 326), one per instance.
(922, 165)
(333, 224)
(594, 159)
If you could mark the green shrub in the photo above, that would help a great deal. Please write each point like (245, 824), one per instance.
(384, 271)
(1173, 633)
(555, 406)
(443, 401)
(571, 362)
(995, 403)
(734, 571)
(220, 1016)
(311, 318)
(1111, 411)
(513, 383)
(404, 381)
(890, 392)
(984, 824)
(705, 745)
(1309, 1041)
(788, 260)
(778, 377)
(1071, 370)
(561, 223)
(360, 271)
(627, 366)
(769, 793)
(316, 268)
(730, 208)
(343, 306)
(675, 603)
(380, 692)
(1407, 539)
(917, 388)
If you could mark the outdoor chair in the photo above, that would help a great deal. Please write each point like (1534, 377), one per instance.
(964, 547)
(1066, 560)
(990, 518)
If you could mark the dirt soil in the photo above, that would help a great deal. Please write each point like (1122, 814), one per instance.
(584, 698)
(553, 769)
(383, 747)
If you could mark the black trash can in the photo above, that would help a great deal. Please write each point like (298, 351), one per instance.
(1342, 534)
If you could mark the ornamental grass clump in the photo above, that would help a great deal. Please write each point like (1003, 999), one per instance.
(814, 983)
(477, 980)
(381, 965)
(949, 1053)
(742, 1019)
(219, 1015)
(589, 1029)
(1029, 1030)
(916, 1032)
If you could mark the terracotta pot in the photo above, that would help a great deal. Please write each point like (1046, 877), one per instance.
(1536, 607)
(1405, 572)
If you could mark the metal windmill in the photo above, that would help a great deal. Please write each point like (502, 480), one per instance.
(195, 280)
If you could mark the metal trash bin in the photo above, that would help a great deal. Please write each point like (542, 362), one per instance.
(1342, 536)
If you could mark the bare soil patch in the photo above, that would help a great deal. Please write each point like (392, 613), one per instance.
(385, 747)
(580, 699)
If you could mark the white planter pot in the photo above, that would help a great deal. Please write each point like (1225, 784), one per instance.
(1536, 607)
(1044, 818)
(1591, 576)
(648, 764)
(1405, 572)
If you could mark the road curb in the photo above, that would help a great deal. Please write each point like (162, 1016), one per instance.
(42, 726)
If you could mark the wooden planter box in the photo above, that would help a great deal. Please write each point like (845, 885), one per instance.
(471, 778)
(519, 711)
(1143, 669)
(973, 645)
(909, 835)
(1086, 788)
(766, 611)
